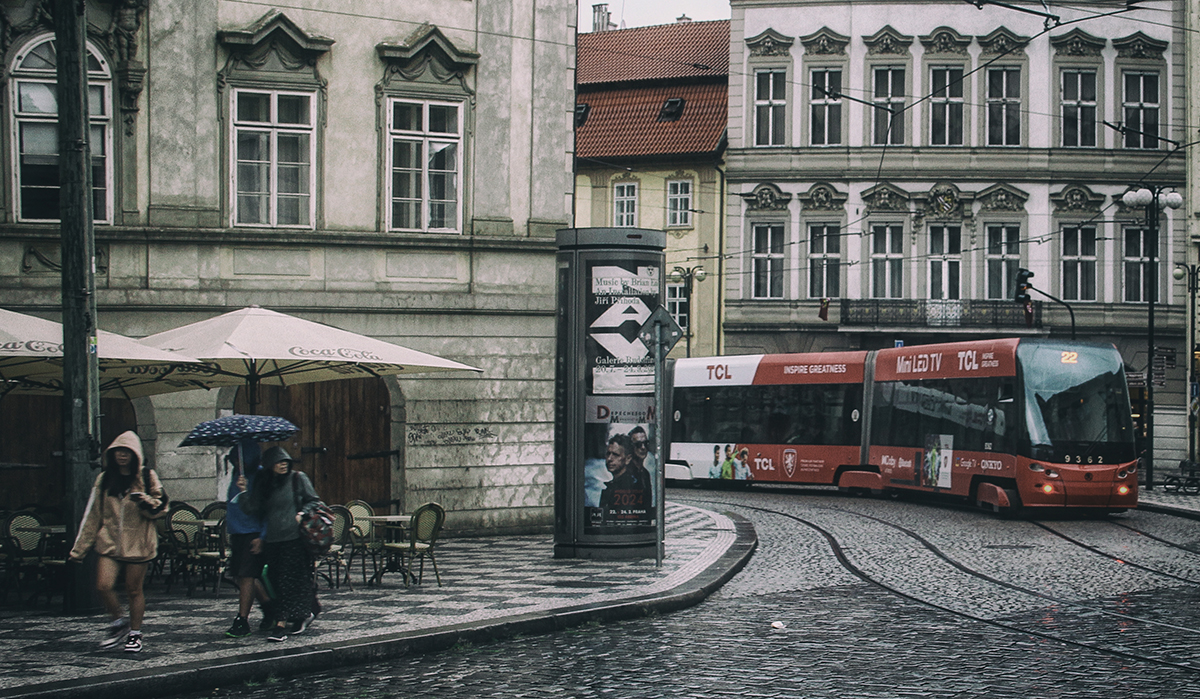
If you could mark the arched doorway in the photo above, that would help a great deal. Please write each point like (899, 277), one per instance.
(344, 442)
(31, 446)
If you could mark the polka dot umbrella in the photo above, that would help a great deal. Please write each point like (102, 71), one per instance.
(230, 430)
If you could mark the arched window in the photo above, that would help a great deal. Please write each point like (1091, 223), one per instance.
(34, 103)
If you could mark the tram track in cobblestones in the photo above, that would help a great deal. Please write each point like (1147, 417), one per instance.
(1125, 559)
(844, 560)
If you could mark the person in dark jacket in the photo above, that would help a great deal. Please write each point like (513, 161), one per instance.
(118, 525)
(279, 495)
(245, 540)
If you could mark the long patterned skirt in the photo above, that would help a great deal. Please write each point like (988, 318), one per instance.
(289, 571)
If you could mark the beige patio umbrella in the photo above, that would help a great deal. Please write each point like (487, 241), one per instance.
(31, 351)
(255, 346)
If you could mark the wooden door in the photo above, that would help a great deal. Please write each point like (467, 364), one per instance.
(344, 442)
(31, 446)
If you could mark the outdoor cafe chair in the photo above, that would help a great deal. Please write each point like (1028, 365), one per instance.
(33, 563)
(423, 532)
(214, 510)
(186, 542)
(212, 556)
(363, 541)
(336, 559)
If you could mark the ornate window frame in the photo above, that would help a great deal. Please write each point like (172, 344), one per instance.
(770, 53)
(888, 49)
(824, 52)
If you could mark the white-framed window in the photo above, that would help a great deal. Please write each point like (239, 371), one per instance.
(770, 107)
(274, 145)
(1141, 104)
(824, 260)
(887, 261)
(1078, 108)
(767, 264)
(1004, 106)
(678, 305)
(945, 261)
(679, 203)
(946, 106)
(625, 205)
(34, 105)
(888, 98)
(425, 165)
(1079, 263)
(825, 124)
(1137, 265)
(1003, 259)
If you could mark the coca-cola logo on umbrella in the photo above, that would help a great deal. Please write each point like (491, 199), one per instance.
(342, 353)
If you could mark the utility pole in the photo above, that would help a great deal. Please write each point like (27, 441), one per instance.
(81, 388)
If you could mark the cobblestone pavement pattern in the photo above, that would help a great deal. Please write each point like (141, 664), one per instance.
(982, 607)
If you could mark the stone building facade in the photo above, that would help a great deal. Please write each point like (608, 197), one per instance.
(895, 164)
(397, 170)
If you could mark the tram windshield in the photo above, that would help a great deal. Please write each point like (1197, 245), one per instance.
(1076, 403)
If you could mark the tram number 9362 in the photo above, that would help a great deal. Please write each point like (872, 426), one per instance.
(1078, 459)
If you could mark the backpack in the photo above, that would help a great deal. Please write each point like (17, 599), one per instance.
(316, 525)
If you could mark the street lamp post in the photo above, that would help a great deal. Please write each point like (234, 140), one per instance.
(685, 276)
(1152, 200)
(1192, 273)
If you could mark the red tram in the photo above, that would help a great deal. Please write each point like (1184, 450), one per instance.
(1006, 423)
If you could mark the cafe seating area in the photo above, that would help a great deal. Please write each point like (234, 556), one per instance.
(194, 548)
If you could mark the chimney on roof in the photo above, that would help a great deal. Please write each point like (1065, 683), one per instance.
(602, 18)
(682, 18)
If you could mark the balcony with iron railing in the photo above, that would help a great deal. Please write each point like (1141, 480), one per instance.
(938, 313)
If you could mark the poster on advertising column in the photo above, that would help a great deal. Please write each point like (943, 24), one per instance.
(620, 474)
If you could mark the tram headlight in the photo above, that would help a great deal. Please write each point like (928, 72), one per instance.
(1122, 474)
(1035, 466)
(1122, 490)
(1051, 474)
(1048, 489)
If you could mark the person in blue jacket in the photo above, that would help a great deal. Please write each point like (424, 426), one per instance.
(246, 534)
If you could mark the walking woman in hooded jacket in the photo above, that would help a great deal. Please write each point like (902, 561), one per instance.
(279, 495)
(118, 524)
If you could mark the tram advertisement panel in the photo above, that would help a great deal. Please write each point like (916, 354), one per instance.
(787, 463)
(619, 470)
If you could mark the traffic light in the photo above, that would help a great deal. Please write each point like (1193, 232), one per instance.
(1022, 287)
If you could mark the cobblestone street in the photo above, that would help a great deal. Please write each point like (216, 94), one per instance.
(978, 607)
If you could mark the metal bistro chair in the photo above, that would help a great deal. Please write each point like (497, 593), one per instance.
(212, 556)
(335, 560)
(186, 543)
(423, 532)
(214, 510)
(363, 541)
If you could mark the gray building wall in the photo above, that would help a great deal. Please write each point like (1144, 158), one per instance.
(483, 295)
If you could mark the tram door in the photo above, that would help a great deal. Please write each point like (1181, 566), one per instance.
(1137, 402)
(344, 442)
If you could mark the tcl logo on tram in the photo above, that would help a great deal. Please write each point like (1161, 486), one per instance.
(719, 372)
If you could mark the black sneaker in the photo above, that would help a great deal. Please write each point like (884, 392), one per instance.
(278, 633)
(240, 628)
(300, 626)
(133, 644)
(115, 634)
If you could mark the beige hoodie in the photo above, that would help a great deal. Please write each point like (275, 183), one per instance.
(120, 527)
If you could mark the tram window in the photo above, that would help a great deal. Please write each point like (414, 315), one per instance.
(969, 410)
(783, 414)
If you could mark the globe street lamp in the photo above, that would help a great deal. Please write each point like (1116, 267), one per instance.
(1192, 273)
(685, 276)
(1152, 200)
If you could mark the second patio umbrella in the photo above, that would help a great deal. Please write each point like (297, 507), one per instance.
(256, 346)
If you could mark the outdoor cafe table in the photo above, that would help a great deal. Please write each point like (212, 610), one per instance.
(56, 535)
(393, 526)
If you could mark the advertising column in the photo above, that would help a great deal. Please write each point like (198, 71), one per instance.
(609, 283)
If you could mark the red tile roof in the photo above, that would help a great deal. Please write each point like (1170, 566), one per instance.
(624, 122)
(665, 51)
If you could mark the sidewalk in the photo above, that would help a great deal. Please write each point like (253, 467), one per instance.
(1159, 500)
(492, 588)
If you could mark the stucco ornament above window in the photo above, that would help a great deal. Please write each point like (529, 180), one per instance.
(427, 55)
(887, 42)
(770, 43)
(273, 44)
(1003, 41)
(1140, 46)
(1077, 199)
(946, 42)
(822, 197)
(825, 42)
(767, 197)
(1003, 197)
(1077, 43)
(886, 197)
